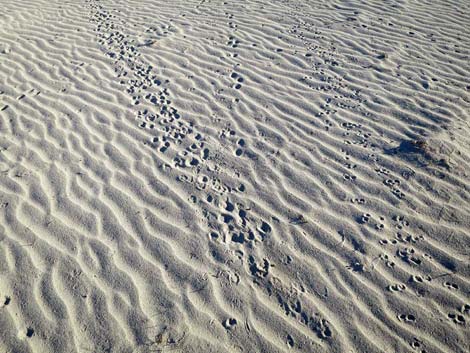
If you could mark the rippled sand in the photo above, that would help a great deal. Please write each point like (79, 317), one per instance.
(234, 176)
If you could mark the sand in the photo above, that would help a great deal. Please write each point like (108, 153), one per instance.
(234, 176)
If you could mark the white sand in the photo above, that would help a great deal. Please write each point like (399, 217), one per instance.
(234, 176)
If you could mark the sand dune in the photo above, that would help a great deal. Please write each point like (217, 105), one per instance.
(234, 176)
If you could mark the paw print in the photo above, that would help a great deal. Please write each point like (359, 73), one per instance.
(407, 255)
(379, 226)
(365, 218)
(392, 182)
(323, 329)
(417, 344)
(349, 177)
(465, 309)
(456, 318)
(451, 286)
(409, 318)
(398, 193)
(396, 287)
(359, 201)
(419, 279)
(230, 323)
(401, 222)
(382, 171)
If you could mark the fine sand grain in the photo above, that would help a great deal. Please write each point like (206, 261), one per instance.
(234, 176)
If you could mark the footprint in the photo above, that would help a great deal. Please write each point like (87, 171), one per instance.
(402, 222)
(265, 227)
(238, 78)
(233, 42)
(379, 226)
(323, 329)
(359, 201)
(256, 270)
(418, 279)
(396, 287)
(407, 318)
(238, 238)
(407, 255)
(6, 302)
(417, 344)
(465, 309)
(349, 177)
(365, 218)
(451, 286)
(230, 323)
(398, 193)
(407, 238)
(391, 182)
(29, 332)
(457, 318)
(290, 341)
(382, 171)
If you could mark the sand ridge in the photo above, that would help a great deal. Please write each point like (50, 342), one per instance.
(227, 176)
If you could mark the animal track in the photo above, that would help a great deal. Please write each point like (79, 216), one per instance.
(396, 287)
(290, 341)
(257, 270)
(349, 177)
(233, 42)
(230, 323)
(321, 327)
(408, 255)
(465, 309)
(29, 332)
(236, 77)
(409, 318)
(359, 201)
(365, 218)
(385, 258)
(416, 344)
(401, 222)
(451, 286)
(6, 301)
(407, 238)
(457, 318)
(419, 279)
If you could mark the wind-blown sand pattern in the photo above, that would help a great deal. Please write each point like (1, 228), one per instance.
(234, 176)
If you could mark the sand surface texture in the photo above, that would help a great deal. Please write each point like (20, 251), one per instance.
(234, 176)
